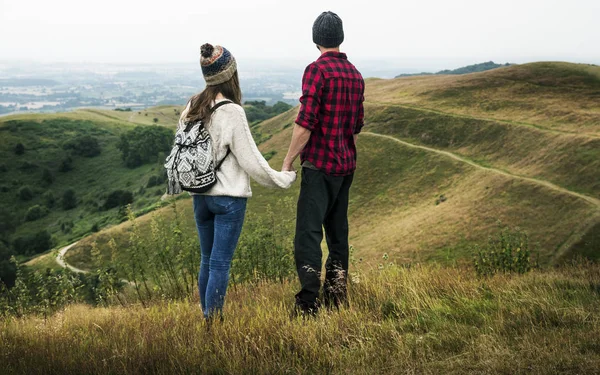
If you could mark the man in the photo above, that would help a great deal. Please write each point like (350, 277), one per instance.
(330, 118)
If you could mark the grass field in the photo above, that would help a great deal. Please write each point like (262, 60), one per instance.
(420, 319)
(534, 176)
(92, 178)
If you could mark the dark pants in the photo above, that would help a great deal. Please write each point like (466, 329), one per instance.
(323, 203)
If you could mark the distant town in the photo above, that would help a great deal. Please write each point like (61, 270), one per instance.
(63, 87)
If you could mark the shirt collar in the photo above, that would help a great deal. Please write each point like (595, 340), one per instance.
(339, 55)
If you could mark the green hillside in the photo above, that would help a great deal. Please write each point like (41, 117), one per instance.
(487, 170)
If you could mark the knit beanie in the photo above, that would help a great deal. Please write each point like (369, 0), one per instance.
(218, 64)
(328, 31)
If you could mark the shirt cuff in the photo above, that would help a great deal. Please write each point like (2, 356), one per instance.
(305, 123)
(358, 128)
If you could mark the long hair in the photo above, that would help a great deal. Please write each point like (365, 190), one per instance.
(200, 103)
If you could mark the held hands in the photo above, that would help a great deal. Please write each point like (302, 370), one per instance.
(287, 166)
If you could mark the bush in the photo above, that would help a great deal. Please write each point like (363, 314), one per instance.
(155, 120)
(118, 198)
(49, 199)
(143, 144)
(507, 253)
(66, 226)
(269, 155)
(47, 177)
(35, 244)
(19, 149)
(25, 193)
(66, 165)
(84, 145)
(36, 212)
(156, 181)
(3, 168)
(27, 166)
(69, 199)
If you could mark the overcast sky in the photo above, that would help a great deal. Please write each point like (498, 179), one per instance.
(136, 31)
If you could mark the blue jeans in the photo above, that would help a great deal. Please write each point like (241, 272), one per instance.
(219, 221)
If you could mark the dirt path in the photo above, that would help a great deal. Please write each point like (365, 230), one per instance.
(584, 226)
(60, 259)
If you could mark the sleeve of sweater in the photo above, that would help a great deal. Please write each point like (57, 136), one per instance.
(250, 158)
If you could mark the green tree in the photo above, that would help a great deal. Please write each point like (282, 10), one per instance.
(19, 149)
(25, 193)
(143, 143)
(36, 212)
(118, 198)
(69, 199)
(47, 176)
(49, 199)
(84, 145)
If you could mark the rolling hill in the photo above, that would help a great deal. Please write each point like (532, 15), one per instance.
(517, 145)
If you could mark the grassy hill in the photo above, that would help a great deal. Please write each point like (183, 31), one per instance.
(442, 161)
(487, 170)
(61, 178)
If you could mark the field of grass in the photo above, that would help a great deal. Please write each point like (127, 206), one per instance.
(550, 95)
(92, 178)
(488, 170)
(568, 160)
(420, 319)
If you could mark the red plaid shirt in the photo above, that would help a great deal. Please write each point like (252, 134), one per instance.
(332, 109)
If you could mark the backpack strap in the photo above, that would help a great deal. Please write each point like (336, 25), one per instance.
(214, 108)
(219, 104)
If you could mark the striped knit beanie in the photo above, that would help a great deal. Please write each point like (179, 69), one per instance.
(218, 64)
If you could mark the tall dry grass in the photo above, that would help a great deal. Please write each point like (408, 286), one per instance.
(401, 319)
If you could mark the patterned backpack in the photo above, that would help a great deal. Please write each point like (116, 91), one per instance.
(190, 165)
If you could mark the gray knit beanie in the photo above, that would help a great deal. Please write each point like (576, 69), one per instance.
(328, 30)
(218, 64)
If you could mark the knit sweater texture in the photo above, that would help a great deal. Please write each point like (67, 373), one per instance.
(228, 128)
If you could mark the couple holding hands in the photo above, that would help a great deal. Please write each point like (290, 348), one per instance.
(324, 135)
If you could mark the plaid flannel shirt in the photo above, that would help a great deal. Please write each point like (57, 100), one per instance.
(332, 109)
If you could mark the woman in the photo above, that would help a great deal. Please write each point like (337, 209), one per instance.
(219, 213)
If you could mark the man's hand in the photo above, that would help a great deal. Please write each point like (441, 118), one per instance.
(287, 166)
(300, 137)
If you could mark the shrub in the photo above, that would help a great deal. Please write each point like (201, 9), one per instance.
(118, 198)
(269, 155)
(3, 168)
(4, 189)
(19, 149)
(69, 199)
(30, 245)
(66, 226)
(507, 253)
(84, 145)
(155, 120)
(28, 166)
(66, 165)
(156, 181)
(49, 199)
(25, 193)
(36, 212)
(47, 177)
(143, 143)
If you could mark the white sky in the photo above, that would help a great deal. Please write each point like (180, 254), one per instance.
(136, 31)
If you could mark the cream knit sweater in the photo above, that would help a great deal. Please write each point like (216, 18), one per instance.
(228, 128)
